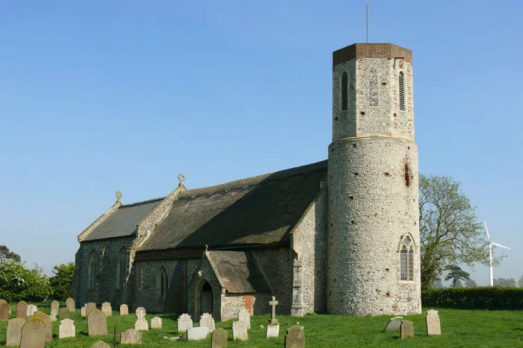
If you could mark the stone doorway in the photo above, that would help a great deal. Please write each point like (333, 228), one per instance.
(206, 299)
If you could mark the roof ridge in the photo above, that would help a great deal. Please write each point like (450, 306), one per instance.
(142, 202)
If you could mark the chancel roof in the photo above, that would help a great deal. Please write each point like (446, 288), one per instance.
(254, 211)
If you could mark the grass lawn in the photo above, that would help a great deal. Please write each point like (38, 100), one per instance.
(460, 328)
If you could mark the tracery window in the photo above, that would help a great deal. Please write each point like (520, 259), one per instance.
(344, 91)
(121, 267)
(402, 91)
(407, 259)
(92, 269)
(161, 283)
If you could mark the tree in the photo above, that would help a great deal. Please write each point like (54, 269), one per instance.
(456, 274)
(470, 283)
(449, 229)
(520, 282)
(19, 283)
(505, 282)
(62, 280)
(6, 255)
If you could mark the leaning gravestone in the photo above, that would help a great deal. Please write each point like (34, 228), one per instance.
(13, 334)
(90, 307)
(197, 333)
(433, 323)
(124, 309)
(207, 320)
(184, 322)
(97, 323)
(393, 324)
(245, 316)
(21, 310)
(156, 323)
(131, 336)
(219, 338)
(31, 310)
(55, 305)
(63, 313)
(33, 333)
(4, 310)
(48, 325)
(107, 309)
(141, 324)
(66, 329)
(100, 344)
(406, 329)
(70, 305)
(239, 331)
(295, 337)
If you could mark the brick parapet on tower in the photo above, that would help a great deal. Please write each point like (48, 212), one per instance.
(370, 50)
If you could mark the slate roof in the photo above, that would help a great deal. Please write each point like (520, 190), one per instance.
(254, 211)
(123, 222)
(238, 272)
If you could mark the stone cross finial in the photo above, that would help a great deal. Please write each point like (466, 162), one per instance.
(181, 177)
(273, 304)
(118, 195)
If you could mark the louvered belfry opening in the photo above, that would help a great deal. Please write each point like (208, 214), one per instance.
(402, 91)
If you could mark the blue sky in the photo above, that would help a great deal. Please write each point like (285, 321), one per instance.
(100, 96)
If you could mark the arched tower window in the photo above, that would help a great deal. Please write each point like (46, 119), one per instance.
(92, 269)
(121, 267)
(161, 284)
(344, 91)
(402, 91)
(407, 259)
(408, 175)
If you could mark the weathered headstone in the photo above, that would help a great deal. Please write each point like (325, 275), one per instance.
(239, 331)
(4, 310)
(184, 322)
(197, 333)
(31, 310)
(55, 305)
(33, 333)
(63, 313)
(83, 311)
(273, 303)
(131, 336)
(208, 321)
(70, 305)
(13, 334)
(219, 338)
(66, 329)
(100, 344)
(141, 324)
(406, 329)
(245, 316)
(48, 324)
(124, 309)
(273, 331)
(156, 323)
(295, 337)
(433, 323)
(53, 315)
(21, 310)
(393, 324)
(89, 308)
(107, 309)
(97, 323)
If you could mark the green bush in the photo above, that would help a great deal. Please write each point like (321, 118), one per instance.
(19, 283)
(492, 298)
(61, 281)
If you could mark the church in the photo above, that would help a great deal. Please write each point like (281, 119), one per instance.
(339, 236)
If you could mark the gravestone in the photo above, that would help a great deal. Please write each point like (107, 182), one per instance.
(13, 334)
(33, 333)
(70, 305)
(63, 313)
(406, 329)
(131, 336)
(100, 344)
(55, 305)
(48, 324)
(273, 303)
(207, 320)
(184, 322)
(141, 324)
(219, 338)
(156, 323)
(31, 310)
(245, 316)
(107, 309)
(433, 323)
(89, 308)
(21, 310)
(66, 329)
(239, 331)
(53, 315)
(124, 309)
(273, 331)
(97, 323)
(197, 333)
(393, 324)
(4, 310)
(295, 337)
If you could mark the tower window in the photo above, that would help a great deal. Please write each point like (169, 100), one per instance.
(407, 259)
(373, 88)
(402, 91)
(344, 91)
(408, 175)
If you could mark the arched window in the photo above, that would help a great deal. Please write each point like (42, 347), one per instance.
(121, 267)
(161, 283)
(344, 91)
(407, 259)
(402, 90)
(408, 175)
(92, 269)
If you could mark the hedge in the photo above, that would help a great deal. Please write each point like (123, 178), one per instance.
(493, 298)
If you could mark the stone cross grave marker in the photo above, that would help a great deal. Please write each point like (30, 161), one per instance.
(33, 333)
(393, 324)
(100, 344)
(4, 310)
(208, 321)
(89, 308)
(107, 309)
(66, 329)
(63, 313)
(55, 305)
(245, 316)
(21, 310)
(70, 305)
(53, 315)
(295, 337)
(239, 331)
(131, 336)
(124, 309)
(48, 325)
(13, 334)
(184, 322)
(273, 304)
(31, 310)
(406, 329)
(141, 324)
(197, 333)
(433, 323)
(156, 323)
(219, 338)
(97, 323)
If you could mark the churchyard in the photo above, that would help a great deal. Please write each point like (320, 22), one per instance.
(460, 328)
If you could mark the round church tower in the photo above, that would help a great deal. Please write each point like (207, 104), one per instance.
(373, 239)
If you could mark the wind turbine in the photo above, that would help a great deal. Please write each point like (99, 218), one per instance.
(490, 244)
